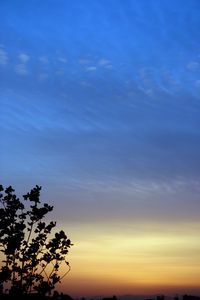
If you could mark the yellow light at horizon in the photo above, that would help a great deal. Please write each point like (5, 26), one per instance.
(125, 260)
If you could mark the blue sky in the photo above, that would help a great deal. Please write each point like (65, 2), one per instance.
(100, 100)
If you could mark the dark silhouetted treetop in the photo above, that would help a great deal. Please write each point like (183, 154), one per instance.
(32, 254)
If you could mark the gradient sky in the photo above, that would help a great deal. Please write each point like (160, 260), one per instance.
(100, 104)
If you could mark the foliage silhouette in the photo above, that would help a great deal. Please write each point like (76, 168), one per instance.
(32, 256)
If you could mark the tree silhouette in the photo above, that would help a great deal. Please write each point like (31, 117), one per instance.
(32, 256)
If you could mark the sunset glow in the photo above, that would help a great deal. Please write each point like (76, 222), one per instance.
(158, 259)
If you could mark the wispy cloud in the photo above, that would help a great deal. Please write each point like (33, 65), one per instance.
(197, 83)
(43, 59)
(43, 76)
(24, 58)
(21, 69)
(62, 60)
(84, 61)
(60, 72)
(91, 69)
(193, 66)
(3, 57)
(85, 84)
(168, 81)
(104, 62)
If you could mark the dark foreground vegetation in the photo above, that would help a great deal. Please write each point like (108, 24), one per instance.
(55, 296)
(61, 296)
(32, 254)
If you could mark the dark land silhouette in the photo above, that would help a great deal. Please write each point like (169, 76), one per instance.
(60, 296)
(32, 255)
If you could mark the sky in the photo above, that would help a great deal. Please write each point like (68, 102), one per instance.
(100, 105)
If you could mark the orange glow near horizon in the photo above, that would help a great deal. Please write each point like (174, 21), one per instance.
(119, 260)
(132, 259)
